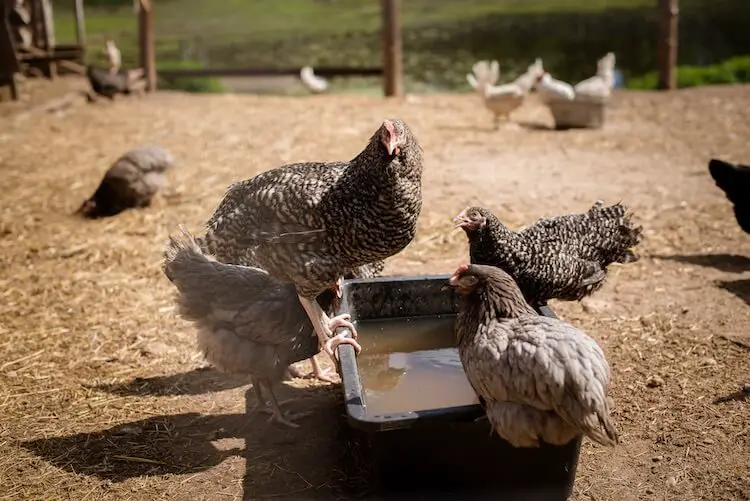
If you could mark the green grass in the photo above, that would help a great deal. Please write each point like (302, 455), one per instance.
(189, 84)
(441, 38)
(735, 70)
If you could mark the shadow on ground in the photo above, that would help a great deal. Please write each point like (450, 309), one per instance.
(280, 461)
(740, 288)
(194, 382)
(730, 263)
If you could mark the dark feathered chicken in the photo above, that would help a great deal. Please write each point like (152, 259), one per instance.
(108, 84)
(734, 181)
(247, 321)
(131, 182)
(309, 223)
(564, 257)
(540, 379)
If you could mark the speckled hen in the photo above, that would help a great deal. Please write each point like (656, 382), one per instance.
(131, 182)
(309, 223)
(248, 322)
(564, 257)
(540, 379)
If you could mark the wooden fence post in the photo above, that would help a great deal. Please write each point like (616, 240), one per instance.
(146, 38)
(80, 24)
(669, 11)
(393, 83)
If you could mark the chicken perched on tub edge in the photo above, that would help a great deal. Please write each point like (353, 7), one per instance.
(310, 223)
(539, 379)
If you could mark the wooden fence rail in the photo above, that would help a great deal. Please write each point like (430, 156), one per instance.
(261, 72)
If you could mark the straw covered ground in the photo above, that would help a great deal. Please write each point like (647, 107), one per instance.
(103, 396)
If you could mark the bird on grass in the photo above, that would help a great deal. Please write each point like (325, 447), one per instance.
(564, 257)
(310, 223)
(539, 379)
(131, 182)
(734, 181)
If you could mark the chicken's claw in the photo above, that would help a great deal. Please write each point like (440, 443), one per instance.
(343, 321)
(330, 346)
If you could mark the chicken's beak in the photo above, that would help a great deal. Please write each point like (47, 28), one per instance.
(459, 221)
(452, 282)
(392, 147)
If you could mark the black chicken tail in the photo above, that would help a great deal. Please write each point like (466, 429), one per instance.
(734, 181)
(727, 176)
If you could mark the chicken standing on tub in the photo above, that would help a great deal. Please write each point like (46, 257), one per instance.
(310, 223)
(538, 378)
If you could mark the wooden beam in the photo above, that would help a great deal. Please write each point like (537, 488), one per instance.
(263, 72)
(147, 46)
(80, 24)
(393, 82)
(669, 12)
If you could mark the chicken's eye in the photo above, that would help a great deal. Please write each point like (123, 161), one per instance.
(468, 281)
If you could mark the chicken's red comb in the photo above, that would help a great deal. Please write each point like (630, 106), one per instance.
(461, 269)
(389, 127)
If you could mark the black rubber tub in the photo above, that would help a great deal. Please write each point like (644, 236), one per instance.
(443, 452)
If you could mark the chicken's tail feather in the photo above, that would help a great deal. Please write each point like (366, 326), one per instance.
(178, 249)
(615, 232)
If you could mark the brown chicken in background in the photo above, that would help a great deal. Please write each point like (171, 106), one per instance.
(309, 223)
(131, 182)
(539, 379)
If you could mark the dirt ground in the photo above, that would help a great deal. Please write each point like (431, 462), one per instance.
(103, 395)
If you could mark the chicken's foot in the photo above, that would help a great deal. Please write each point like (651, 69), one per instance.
(320, 373)
(260, 403)
(324, 327)
(278, 415)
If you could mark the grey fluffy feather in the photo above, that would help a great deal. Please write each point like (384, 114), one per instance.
(247, 322)
(540, 379)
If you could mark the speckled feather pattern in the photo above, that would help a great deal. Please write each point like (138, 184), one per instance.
(310, 223)
(541, 379)
(132, 180)
(564, 257)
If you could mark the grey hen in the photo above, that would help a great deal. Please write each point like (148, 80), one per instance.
(328, 299)
(248, 322)
(540, 379)
(131, 182)
(310, 223)
(564, 257)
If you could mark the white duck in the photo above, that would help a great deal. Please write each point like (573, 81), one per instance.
(501, 100)
(599, 87)
(483, 72)
(553, 90)
(114, 57)
(313, 82)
